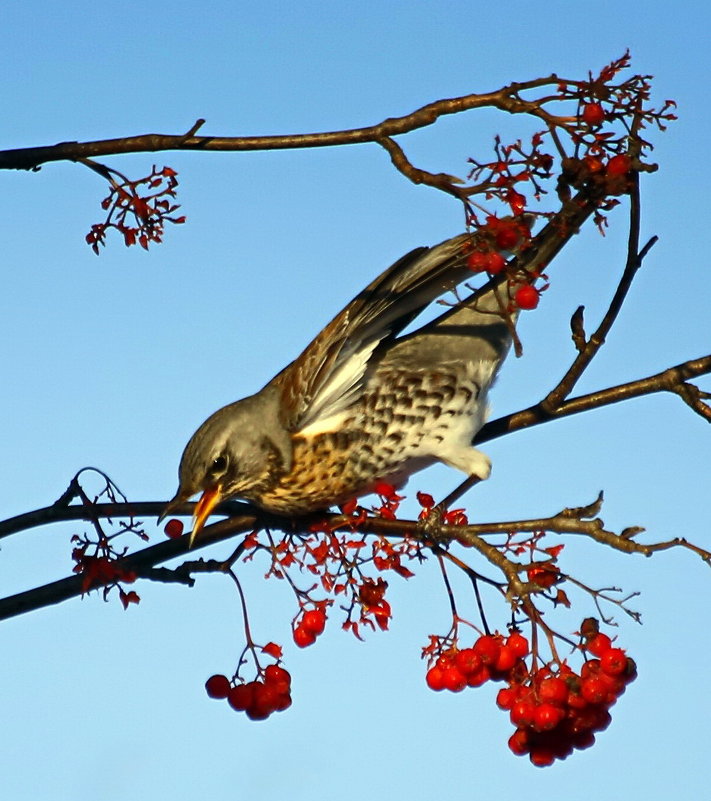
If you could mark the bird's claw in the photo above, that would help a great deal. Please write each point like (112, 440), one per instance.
(432, 526)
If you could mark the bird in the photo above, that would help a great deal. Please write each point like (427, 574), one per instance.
(363, 403)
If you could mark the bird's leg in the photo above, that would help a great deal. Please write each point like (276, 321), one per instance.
(457, 492)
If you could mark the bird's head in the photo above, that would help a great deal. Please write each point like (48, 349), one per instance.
(236, 452)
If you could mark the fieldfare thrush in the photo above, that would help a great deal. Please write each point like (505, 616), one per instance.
(361, 405)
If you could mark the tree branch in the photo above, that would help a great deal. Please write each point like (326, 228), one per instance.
(143, 562)
(507, 99)
(588, 350)
(673, 379)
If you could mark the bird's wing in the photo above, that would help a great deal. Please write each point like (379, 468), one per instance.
(327, 377)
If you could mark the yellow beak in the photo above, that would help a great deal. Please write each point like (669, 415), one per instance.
(208, 501)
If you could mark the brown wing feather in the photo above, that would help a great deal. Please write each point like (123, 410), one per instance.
(381, 310)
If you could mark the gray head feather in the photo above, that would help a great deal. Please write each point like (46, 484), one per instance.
(239, 446)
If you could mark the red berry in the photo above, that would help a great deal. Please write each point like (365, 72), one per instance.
(523, 712)
(553, 691)
(518, 742)
(173, 529)
(507, 237)
(495, 263)
(603, 720)
(619, 165)
(527, 297)
(468, 661)
(454, 680)
(630, 671)
(218, 686)
(518, 644)
(516, 201)
(263, 702)
(283, 701)
(505, 660)
(585, 739)
(240, 697)
(348, 508)
(506, 697)
(303, 638)
(593, 114)
(594, 718)
(278, 678)
(599, 644)
(582, 720)
(593, 690)
(576, 701)
(314, 621)
(560, 743)
(479, 677)
(541, 756)
(615, 686)
(488, 647)
(614, 683)
(547, 717)
(488, 260)
(590, 668)
(477, 261)
(435, 678)
(613, 661)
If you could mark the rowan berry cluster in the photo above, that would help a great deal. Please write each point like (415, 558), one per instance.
(311, 625)
(503, 234)
(495, 235)
(596, 128)
(258, 699)
(555, 711)
(558, 712)
(491, 657)
(99, 565)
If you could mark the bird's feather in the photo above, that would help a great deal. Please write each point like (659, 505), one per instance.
(327, 377)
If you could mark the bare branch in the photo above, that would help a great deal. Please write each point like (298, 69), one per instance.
(447, 183)
(673, 379)
(507, 99)
(588, 350)
(568, 521)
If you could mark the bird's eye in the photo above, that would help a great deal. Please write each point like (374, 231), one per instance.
(219, 465)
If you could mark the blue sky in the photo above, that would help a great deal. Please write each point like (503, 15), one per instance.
(113, 361)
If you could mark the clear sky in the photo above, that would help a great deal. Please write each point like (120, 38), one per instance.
(113, 361)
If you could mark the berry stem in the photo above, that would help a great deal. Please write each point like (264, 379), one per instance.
(245, 619)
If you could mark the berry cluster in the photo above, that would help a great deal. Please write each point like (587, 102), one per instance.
(558, 712)
(257, 699)
(503, 234)
(486, 261)
(491, 657)
(102, 568)
(554, 712)
(311, 625)
(498, 234)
